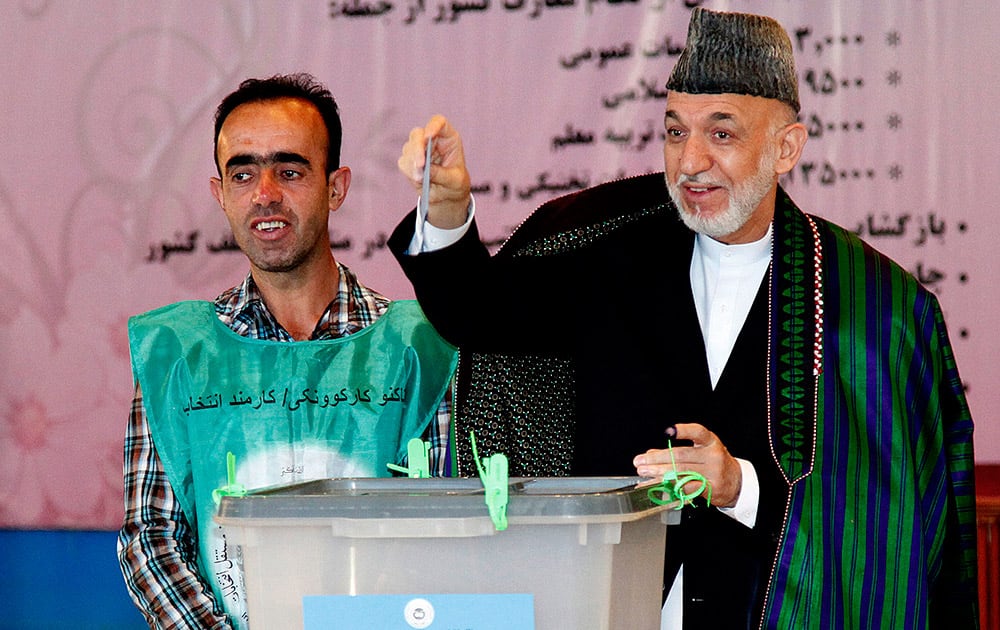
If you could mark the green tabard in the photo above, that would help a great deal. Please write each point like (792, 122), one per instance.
(288, 411)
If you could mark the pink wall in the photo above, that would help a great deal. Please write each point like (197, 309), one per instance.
(106, 131)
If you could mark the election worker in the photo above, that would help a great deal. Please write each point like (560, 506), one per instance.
(299, 372)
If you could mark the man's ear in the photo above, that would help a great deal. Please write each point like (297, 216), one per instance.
(339, 181)
(216, 185)
(791, 142)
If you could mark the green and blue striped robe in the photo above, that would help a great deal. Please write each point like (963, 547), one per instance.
(870, 425)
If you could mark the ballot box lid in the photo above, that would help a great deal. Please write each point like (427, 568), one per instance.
(620, 498)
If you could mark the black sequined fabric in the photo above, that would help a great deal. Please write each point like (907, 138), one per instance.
(522, 406)
(525, 405)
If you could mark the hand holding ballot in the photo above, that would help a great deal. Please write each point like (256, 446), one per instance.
(450, 187)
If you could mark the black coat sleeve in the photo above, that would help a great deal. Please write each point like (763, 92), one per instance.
(489, 303)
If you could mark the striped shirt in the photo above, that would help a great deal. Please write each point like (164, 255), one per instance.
(157, 547)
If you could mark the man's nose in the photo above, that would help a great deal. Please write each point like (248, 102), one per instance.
(695, 157)
(268, 190)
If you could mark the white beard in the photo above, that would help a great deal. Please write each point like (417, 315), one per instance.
(744, 198)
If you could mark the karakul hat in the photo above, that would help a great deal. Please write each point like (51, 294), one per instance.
(736, 53)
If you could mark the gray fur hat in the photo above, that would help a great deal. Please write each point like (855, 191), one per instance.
(736, 53)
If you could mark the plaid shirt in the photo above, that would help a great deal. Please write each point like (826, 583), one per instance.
(157, 548)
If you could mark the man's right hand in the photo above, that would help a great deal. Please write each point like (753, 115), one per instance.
(450, 190)
(707, 456)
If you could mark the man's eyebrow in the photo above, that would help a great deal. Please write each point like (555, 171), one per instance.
(722, 116)
(278, 157)
(715, 116)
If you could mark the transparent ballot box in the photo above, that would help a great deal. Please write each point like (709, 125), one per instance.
(577, 553)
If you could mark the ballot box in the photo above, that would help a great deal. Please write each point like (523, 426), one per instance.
(577, 553)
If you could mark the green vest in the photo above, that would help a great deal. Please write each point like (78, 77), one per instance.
(288, 411)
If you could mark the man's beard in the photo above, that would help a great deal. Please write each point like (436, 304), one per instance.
(744, 198)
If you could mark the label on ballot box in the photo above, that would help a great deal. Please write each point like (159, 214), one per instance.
(405, 612)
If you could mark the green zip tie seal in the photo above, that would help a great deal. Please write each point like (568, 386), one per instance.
(494, 473)
(671, 488)
(417, 459)
(231, 489)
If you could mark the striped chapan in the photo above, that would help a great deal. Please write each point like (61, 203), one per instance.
(871, 428)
